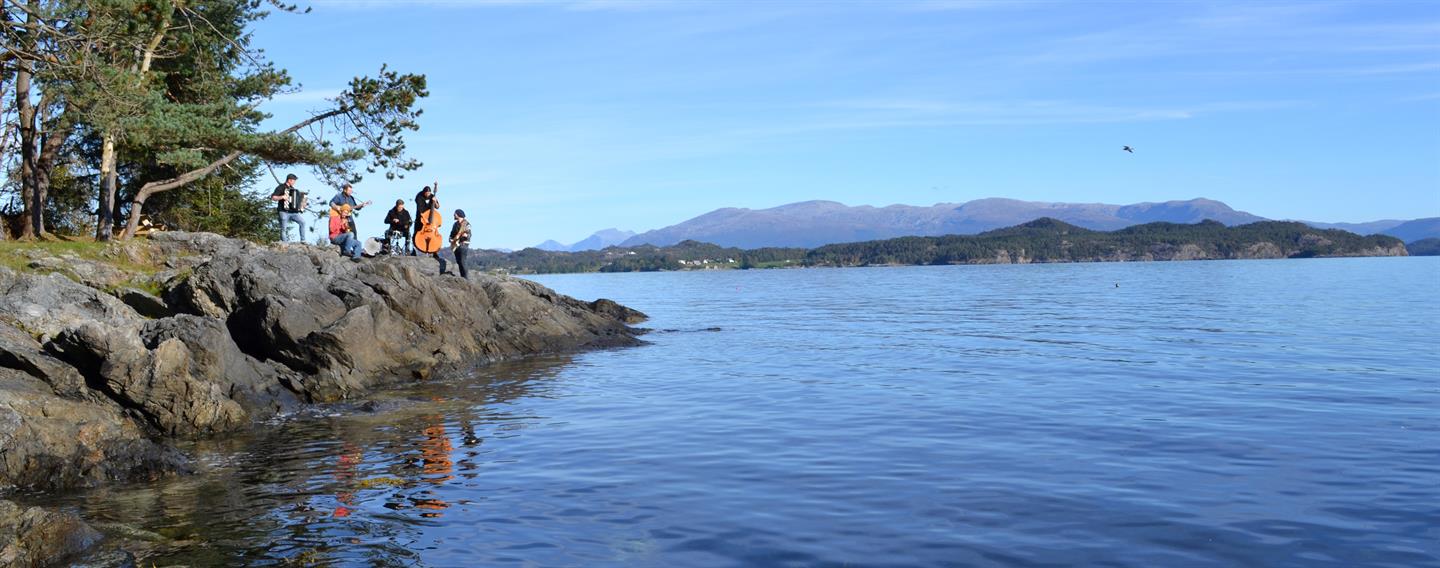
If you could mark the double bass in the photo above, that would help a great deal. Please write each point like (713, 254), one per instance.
(427, 238)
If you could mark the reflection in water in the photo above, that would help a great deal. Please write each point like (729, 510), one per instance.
(435, 451)
(345, 473)
(336, 485)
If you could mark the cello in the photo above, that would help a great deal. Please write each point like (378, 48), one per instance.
(427, 238)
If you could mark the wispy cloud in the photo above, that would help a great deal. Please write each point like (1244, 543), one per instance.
(952, 5)
(1242, 32)
(864, 114)
(1420, 98)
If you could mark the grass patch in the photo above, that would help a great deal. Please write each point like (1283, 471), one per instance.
(129, 256)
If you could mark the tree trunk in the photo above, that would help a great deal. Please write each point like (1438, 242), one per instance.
(26, 111)
(57, 129)
(106, 222)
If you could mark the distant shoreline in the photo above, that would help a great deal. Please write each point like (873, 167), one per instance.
(1043, 241)
(802, 267)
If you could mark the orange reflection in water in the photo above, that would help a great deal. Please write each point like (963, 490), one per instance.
(436, 463)
(346, 468)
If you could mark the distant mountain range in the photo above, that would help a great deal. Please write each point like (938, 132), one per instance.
(1408, 231)
(810, 224)
(815, 223)
(599, 240)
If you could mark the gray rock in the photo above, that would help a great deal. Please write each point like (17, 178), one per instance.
(258, 386)
(144, 303)
(90, 273)
(33, 536)
(617, 311)
(47, 304)
(161, 384)
(49, 442)
(346, 326)
(20, 351)
(182, 244)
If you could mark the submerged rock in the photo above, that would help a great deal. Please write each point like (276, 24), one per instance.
(33, 536)
(90, 388)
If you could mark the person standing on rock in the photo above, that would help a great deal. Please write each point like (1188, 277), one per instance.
(460, 241)
(424, 201)
(342, 233)
(290, 206)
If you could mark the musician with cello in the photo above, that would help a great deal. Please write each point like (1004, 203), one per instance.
(427, 224)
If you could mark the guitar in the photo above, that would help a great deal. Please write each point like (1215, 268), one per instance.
(335, 210)
(427, 239)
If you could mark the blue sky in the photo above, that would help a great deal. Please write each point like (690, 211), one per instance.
(554, 119)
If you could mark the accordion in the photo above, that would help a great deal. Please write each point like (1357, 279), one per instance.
(296, 201)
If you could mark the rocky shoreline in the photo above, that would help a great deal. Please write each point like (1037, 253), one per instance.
(98, 375)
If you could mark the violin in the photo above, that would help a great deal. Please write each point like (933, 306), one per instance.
(427, 239)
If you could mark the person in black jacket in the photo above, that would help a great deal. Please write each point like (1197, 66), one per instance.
(399, 221)
(290, 207)
(424, 201)
(460, 240)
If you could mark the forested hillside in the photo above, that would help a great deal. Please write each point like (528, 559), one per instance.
(1042, 240)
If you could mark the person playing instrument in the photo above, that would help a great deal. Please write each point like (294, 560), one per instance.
(425, 202)
(399, 221)
(459, 241)
(343, 233)
(347, 197)
(290, 206)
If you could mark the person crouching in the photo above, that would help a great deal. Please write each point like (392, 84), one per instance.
(341, 233)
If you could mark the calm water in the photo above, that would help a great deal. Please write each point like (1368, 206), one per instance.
(1237, 413)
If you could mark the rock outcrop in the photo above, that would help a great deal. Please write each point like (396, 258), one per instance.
(94, 382)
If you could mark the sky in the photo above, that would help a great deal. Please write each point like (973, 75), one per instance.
(555, 119)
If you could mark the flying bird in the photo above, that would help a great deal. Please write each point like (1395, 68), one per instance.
(1128, 149)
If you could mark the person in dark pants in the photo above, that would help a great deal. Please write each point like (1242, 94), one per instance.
(423, 202)
(290, 207)
(460, 240)
(342, 233)
(398, 219)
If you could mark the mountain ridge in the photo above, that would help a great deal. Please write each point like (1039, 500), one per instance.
(820, 222)
(596, 241)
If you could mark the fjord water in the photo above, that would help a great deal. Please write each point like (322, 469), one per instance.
(1230, 413)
